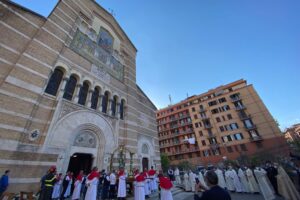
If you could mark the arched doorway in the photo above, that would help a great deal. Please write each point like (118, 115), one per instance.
(80, 161)
(145, 163)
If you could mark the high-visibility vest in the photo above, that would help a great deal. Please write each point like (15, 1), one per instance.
(49, 181)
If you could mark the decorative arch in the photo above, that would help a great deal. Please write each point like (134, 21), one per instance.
(55, 81)
(70, 87)
(114, 105)
(83, 93)
(105, 100)
(95, 98)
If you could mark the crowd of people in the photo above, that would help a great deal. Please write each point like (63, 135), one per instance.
(268, 180)
(104, 185)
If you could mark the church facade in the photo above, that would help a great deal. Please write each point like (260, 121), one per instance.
(68, 94)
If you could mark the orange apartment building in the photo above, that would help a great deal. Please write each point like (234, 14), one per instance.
(226, 122)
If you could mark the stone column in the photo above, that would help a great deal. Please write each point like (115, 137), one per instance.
(118, 110)
(76, 92)
(89, 98)
(100, 103)
(63, 86)
(108, 110)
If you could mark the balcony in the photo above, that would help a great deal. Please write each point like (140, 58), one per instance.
(214, 145)
(235, 99)
(202, 110)
(256, 138)
(207, 126)
(249, 128)
(244, 116)
(185, 132)
(211, 135)
(183, 151)
(240, 107)
(183, 116)
(204, 117)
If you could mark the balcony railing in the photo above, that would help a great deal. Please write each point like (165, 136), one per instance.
(235, 99)
(211, 135)
(214, 145)
(204, 117)
(183, 151)
(207, 126)
(256, 138)
(202, 110)
(244, 117)
(249, 128)
(240, 107)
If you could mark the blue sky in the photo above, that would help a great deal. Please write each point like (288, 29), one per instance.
(191, 46)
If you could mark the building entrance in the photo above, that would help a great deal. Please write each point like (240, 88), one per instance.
(80, 161)
(145, 163)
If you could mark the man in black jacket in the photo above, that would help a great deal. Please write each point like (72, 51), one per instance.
(49, 182)
(215, 192)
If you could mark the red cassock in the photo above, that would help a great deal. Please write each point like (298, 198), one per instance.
(165, 183)
(140, 178)
(92, 175)
(151, 172)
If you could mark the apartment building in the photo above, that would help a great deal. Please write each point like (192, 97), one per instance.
(226, 123)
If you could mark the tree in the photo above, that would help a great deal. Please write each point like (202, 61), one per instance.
(186, 165)
(165, 161)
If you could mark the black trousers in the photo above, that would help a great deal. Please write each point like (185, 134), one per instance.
(47, 193)
(112, 191)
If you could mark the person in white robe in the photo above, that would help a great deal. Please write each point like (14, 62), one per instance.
(229, 181)
(253, 186)
(202, 180)
(244, 182)
(286, 187)
(165, 188)
(192, 180)
(187, 186)
(146, 183)
(77, 186)
(92, 184)
(57, 189)
(70, 179)
(177, 176)
(264, 184)
(152, 180)
(122, 185)
(221, 179)
(139, 193)
(236, 180)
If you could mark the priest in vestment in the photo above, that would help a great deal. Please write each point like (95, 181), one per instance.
(192, 179)
(77, 186)
(236, 181)
(186, 182)
(202, 180)
(286, 187)
(264, 185)
(177, 176)
(122, 185)
(92, 183)
(139, 192)
(253, 186)
(146, 183)
(165, 186)
(244, 182)
(221, 179)
(57, 187)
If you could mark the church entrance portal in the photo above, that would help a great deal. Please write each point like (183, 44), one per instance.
(80, 161)
(145, 163)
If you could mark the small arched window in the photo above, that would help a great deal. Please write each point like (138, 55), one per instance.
(122, 109)
(70, 88)
(105, 102)
(114, 106)
(83, 93)
(54, 82)
(95, 97)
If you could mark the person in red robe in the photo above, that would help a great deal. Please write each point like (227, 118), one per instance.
(122, 184)
(165, 186)
(147, 185)
(152, 183)
(139, 193)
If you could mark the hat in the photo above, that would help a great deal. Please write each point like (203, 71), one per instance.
(52, 169)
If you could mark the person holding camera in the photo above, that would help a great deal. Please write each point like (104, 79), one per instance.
(214, 191)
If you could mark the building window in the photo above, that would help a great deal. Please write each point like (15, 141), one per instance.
(105, 40)
(114, 106)
(193, 109)
(203, 143)
(196, 116)
(229, 149)
(253, 133)
(238, 136)
(70, 88)
(236, 148)
(122, 104)
(229, 116)
(248, 123)
(218, 119)
(243, 147)
(196, 125)
(105, 102)
(222, 129)
(200, 133)
(234, 126)
(212, 103)
(206, 153)
(54, 82)
(83, 93)
(215, 111)
(222, 100)
(95, 97)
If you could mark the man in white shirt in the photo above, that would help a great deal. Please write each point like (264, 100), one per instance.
(112, 186)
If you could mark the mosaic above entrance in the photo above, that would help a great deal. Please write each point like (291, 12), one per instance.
(99, 56)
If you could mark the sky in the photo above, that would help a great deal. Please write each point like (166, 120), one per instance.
(187, 47)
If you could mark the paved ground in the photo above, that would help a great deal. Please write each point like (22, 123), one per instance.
(189, 196)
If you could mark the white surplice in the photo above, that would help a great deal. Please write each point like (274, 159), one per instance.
(57, 189)
(91, 193)
(221, 179)
(139, 193)
(192, 180)
(244, 182)
(122, 186)
(229, 181)
(146, 185)
(253, 186)
(187, 186)
(264, 184)
(68, 190)
(166, 194)
(286, 187)
(201, 180)
(236, 181)
(77, 190)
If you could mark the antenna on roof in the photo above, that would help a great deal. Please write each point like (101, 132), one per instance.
(170, 99)
(112, 12)
(187, 95)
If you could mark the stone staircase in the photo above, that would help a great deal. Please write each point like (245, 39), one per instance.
(175, 190)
